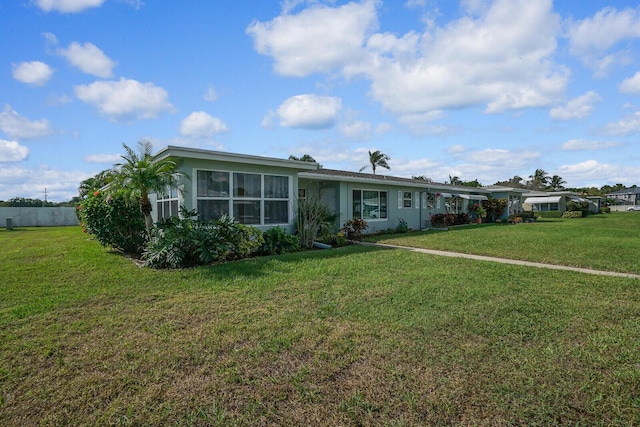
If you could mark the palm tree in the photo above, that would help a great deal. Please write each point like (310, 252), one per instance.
(141, 174)
(377, 158)
(95, 183)
(539, 179)
(454, 180)
(556, 183)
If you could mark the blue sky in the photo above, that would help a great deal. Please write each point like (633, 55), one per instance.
(476, 89)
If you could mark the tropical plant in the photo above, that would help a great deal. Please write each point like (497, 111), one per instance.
(141, 174)
(314, 219)
(494, 207)
(539, 180)
(556, 183)
(354, 228)
(377, 158)
(184, 241)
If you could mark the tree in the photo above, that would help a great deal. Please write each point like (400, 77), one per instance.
(556, 183)
(454, 180)
(422, 178)
(475, 183)
(304, 158)
(515, 182)
(377, 158)
(141, 174)
(539, 180)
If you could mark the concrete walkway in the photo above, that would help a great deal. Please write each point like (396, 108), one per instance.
(506, 261)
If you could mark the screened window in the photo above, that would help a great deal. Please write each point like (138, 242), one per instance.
(406, 199)
(369, 204)
(253, 199)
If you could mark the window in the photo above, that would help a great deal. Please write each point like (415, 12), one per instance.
(251, 198)
(407, 197)
(167, 203)
(369, 204)
(302, 193)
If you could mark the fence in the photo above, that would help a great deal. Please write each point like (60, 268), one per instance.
(38, 217)
(620, 208)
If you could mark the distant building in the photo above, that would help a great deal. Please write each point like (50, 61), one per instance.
(628, 196)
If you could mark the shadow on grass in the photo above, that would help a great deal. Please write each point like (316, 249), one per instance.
(265, 265)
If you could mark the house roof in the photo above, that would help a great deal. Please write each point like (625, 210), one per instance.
(379, 178)
(196, 153)
(632, 190)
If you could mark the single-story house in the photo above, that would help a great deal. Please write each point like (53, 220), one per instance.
(628, 196)
(539, 201)
(263, 192)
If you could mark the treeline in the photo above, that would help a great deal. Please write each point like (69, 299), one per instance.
(23, 202)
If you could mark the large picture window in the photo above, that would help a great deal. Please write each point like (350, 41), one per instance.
(251, 198)
(369, 204)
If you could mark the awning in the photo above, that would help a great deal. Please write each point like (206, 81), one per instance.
(537, 200)
(446, 195)
(472, 197)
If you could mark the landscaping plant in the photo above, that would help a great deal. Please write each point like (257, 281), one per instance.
(279, 241)
(113, 221)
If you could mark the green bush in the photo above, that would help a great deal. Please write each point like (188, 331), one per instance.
(314, 220)
(113, 221)
(278, 241)
(605, 209)
(185, 242)
(549, 214)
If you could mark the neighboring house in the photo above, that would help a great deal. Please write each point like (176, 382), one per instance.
(628, 196)
(540, 201)
(263, 192)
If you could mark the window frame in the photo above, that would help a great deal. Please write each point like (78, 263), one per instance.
(239, 196)
(169, 198)
(361, 209)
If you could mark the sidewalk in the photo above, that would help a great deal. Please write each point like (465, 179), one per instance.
(506, 261)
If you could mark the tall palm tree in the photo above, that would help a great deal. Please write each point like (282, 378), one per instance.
(556, 183)
(377, 158)
(539, 179)
(140, 174)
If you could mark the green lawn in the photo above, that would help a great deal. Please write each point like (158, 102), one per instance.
(353, 336)
(602, 242)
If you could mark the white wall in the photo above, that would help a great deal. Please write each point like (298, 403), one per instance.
(38, 217)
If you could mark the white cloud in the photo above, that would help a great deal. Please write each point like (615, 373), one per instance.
(18, 181)
(21, 128)
(201, 124)
(499, 55)
(625, 126)
(591, 38)
(576, 108)
(103, 158)
(89, 59)
(318, 39)
(383, 128)
(582, 144)
(501, 158)
(11, 151)
(67, 6)
(34, 73)
(125, 99)
(309, 111)
(357, 130)
(631, 85)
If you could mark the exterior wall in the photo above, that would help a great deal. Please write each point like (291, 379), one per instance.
(188, 196)
(38, 217)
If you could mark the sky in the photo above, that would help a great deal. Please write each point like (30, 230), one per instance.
(475, 89)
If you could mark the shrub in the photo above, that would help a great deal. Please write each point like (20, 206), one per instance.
(494, 207)
(402, 226)
(354, 228)
(449, 219)
(605, 209)
(185, 242)
(278, 241)
(113, 221)
(314, 220)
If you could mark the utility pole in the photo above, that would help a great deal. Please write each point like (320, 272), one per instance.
(45, 196)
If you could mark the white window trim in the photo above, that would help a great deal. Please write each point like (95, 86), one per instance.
(370, 189)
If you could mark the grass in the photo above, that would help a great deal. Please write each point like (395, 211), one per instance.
(355, 336)
(601, 242)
